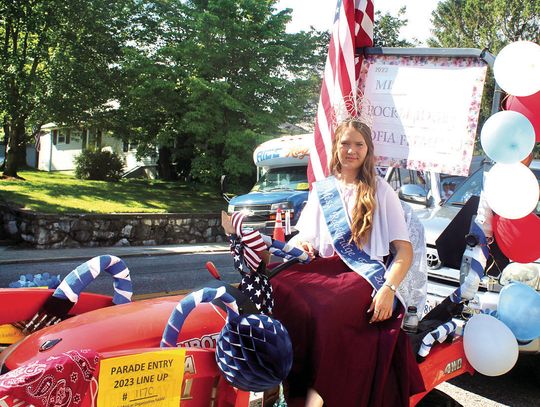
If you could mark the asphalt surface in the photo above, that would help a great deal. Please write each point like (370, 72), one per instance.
(149, 274)
(14, 255)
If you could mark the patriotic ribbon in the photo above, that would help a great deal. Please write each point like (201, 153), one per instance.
(187, 304)
(439, 334)
(252, 242)
(481, 254)
(75, 282)
(246, 246)
(285, 250)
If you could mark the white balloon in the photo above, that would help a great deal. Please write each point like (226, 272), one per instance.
(511, 190)
(517, 68)
(490, 346)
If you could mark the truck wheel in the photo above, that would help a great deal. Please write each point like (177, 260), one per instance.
(437, 398)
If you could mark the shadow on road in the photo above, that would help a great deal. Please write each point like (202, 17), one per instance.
(517, 388)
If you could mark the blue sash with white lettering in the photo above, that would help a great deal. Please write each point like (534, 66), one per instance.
(337, 220)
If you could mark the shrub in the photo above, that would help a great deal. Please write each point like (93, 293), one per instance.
(99, 165)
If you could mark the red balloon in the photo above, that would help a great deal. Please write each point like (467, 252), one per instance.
(518, 239)
(529, 106)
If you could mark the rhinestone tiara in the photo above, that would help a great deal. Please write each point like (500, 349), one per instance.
(353, 107)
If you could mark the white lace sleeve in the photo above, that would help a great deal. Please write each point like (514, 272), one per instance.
(308, 224)
(413, 288)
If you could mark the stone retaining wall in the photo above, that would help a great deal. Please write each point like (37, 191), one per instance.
(46, 231)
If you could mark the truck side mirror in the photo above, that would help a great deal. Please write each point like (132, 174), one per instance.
(413, 193)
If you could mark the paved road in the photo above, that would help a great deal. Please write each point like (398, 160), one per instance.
(518, 388)
(150, 273)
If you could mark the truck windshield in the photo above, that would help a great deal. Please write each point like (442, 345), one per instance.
(283, 179)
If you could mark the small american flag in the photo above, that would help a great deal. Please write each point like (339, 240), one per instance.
(353, 28)
(254, 284)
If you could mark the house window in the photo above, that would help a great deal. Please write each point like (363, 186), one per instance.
(61, 136)
(127, 146)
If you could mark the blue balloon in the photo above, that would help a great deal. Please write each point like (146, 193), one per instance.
(519, 309)
(507, 137)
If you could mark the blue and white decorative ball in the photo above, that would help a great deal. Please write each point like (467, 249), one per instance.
(254, 352)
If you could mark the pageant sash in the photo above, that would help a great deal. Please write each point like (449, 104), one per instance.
(338, 222)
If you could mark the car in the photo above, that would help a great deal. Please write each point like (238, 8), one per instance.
(424, 192)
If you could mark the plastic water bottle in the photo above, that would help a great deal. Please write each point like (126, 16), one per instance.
(470, 285)
(410, 321)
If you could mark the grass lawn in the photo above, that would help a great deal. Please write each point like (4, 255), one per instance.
(63, 193)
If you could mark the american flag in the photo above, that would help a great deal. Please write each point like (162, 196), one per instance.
(353, 28)
(254, 283)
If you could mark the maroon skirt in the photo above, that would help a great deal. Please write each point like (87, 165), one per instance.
(337, 352)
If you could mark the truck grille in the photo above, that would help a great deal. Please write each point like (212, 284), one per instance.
(257, 217)
(254, 213)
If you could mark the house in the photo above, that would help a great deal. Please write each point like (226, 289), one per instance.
(59, 145)
(31, 154)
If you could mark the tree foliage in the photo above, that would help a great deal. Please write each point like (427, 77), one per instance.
(99, 165)
(485, 24)
(57, 63)
(223, 75)
(386, 30)
(490, 24)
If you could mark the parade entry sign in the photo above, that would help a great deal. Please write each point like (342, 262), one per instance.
(9, 334)
(147, 379)
(425, 110)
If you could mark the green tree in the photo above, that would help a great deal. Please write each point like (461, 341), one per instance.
(250, 76)
(223, 74)
(485, 24)
(386, 30)
(153, 93)
(57, 63)
(490, 24)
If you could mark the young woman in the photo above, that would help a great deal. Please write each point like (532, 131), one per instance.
(341, 310)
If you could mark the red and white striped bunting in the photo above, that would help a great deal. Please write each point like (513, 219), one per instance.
(352, 29)
(253, 242)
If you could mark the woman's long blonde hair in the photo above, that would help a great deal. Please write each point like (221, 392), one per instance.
(362, 214)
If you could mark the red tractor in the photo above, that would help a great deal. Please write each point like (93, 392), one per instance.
(136, 328)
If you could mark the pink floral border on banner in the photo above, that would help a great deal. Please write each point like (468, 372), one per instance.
(473, 112)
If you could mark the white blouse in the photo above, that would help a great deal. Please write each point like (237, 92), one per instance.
(388, 221)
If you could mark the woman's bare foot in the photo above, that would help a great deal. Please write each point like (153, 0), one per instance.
(226, 223)
(313, 399)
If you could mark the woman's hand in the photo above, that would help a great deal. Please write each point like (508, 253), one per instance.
(384, 299)
(309, 249)
(382, 304)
